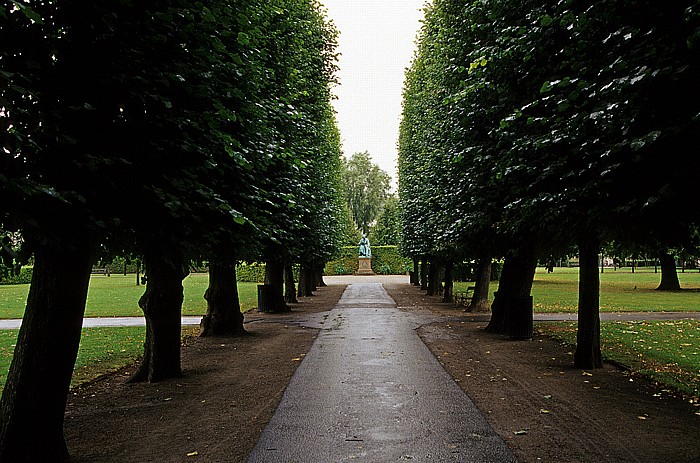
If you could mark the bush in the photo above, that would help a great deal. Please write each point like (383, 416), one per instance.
(386, 260)
(24, 277)
(250, 273)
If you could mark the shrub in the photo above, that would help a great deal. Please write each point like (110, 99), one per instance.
(386, 260)
(250, 273)
(24, 277)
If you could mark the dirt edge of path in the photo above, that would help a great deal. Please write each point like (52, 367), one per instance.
(543, 408)
(213, 413)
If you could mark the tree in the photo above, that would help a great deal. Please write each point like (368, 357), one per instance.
(366, 189)
(387, 230)
(148, 95)
(536, 147)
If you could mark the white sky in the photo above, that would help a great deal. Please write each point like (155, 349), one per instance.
(377, 40)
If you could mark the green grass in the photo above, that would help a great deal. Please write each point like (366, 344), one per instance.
(102, 350)
(666, 351)
(118, 295)
(620, 291)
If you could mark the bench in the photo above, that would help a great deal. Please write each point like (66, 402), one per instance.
(463, 297)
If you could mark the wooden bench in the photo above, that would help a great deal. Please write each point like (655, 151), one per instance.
(463, 297)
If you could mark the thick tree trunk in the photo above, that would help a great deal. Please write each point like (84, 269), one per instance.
(515, 283)
(162, 306)
(290, 290)
(33, 401)
(587, 355)
(224, 317)
(480, 299)
(416, 272)
(274, 277)
(669, 274)
(424, 274)
(449, 282)
(435, 278)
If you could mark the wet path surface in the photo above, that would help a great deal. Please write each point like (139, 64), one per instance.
(369, 390)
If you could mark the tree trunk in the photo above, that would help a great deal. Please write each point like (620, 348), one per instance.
(435, 278)
(162, 306)
(416, 272)
(447, 295)
(274, 276)
(319, 276)
(516, 282)
(301, 287)
(669, 274)
(424, 275)
(33, 401)
(587, 355)
(224, 317)
(480, 299)
(290, 290)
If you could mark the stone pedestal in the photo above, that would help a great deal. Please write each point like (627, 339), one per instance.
(364, 266)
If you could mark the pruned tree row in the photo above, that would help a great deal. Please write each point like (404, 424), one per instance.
(172, 130)
(533, 127)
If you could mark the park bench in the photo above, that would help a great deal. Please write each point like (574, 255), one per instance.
(100, 271)
(463, 297)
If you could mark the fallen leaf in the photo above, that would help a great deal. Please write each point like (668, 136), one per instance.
(585, 373)
(296, 359)
(522, 432)
(642, 417)
(192, 454)
(548, 397)
(545, 411)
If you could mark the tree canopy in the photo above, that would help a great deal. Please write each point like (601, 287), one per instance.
(366, 189)
(174, 130)
(544, 124)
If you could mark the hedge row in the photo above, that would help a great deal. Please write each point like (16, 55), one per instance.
(386, 260)
(24, 277)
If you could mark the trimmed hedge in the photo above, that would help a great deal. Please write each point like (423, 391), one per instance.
(250, 273)
(386, 260)
(24, 277)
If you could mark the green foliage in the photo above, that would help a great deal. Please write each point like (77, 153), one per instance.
(386, 260)
(366, 189)
(522, 122)
(24, 277)
(387, 230)
(665, 351)
(250, 273)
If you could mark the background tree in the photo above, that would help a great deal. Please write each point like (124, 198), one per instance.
(366, 189)
(387, 230)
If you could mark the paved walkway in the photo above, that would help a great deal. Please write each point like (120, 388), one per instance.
(369, 390)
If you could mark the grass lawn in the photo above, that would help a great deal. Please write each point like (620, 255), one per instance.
(620, 291)
(118, 296)
(666, 351)
(102, 350)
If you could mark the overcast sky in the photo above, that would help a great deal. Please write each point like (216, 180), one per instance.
(377, 39)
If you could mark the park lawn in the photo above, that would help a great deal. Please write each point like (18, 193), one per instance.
(102, 350)
(118, 295)
(665, 351)
(620, 291)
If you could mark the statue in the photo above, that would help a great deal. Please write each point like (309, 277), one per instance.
(364, 247)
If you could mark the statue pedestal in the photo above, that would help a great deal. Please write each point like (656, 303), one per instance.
(364, 266)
